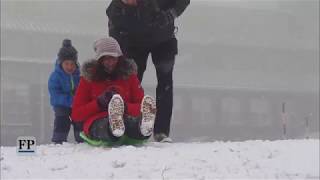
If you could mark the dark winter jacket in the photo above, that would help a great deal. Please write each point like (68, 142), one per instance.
(62, 86)
(137, 26)
(85, 107)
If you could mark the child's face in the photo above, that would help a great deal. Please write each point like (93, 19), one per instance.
(69, 66)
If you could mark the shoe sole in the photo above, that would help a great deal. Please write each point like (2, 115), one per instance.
(148, 110)
(116, 111)
(166, 140)
(162, 138)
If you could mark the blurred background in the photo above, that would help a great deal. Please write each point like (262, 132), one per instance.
(244, 67)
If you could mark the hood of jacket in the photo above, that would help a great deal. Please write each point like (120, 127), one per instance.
(126, 68)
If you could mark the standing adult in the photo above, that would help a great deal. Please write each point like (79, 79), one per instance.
(144, 27)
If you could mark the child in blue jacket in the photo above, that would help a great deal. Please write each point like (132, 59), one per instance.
(62, 85)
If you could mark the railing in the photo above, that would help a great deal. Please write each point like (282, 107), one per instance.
(241, 114)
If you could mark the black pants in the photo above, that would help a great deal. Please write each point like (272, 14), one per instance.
(100, 129)
(163, 58)
(62, 125)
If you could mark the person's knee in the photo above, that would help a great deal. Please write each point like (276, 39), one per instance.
(100, 130)
(165, 83)
(165, 67)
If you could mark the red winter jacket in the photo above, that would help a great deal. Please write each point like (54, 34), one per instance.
(85, 108)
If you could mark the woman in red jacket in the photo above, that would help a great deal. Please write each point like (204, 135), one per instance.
(110, 100)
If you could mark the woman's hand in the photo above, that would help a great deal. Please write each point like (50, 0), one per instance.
(104, 99)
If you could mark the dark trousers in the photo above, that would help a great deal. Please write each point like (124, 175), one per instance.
(62, 125)
(163, 58)
(100, 129)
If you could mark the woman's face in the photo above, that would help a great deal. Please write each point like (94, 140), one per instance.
(109, 63)
(69, 66)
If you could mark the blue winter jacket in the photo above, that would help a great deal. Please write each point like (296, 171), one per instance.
(61, 88)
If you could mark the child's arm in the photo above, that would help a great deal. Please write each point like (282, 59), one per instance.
(58, 96)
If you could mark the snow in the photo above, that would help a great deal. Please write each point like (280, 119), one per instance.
(267, 40)
(281, 159)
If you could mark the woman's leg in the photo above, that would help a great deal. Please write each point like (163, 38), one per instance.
(100, 130)
(133, 128)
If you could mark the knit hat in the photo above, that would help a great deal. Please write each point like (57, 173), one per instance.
(67, 52)
(107, 46)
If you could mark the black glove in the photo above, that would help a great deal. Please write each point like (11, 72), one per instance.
(103, 100)
(164, 18)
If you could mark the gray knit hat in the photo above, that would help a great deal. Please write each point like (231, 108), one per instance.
(107, 46)
(67, 52)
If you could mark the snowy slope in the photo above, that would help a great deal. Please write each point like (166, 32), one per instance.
(285, 159)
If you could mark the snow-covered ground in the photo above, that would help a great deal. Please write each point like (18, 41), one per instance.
(283, 159)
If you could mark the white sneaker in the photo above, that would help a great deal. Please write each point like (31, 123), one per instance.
(161, 137)
(116, 111)
(148, 110)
